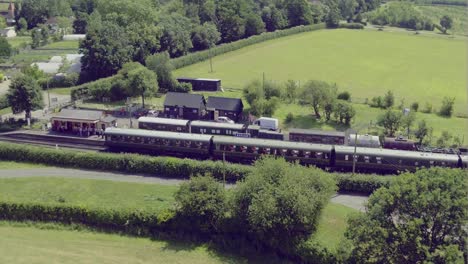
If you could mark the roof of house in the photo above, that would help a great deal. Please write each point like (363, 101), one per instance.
(184, 99)
(223, 103)
(197, 79)
(78, 114)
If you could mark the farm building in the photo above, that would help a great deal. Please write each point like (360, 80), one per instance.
(222, 106)
(74, 121)
(184, 106)
(200, 84)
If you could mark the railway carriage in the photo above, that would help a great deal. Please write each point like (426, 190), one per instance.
(163, 124)
(159, 142)
(249, 149)
(214, 128)
(317, 136)
(385, 160)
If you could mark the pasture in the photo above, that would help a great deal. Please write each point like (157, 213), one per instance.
(49, 244)
(363, 62)
(457, 13)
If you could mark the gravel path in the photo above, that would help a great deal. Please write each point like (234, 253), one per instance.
(354, 201)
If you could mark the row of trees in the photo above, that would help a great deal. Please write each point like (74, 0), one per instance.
(322, 97)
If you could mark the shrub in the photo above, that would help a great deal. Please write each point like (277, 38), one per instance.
(346, 96)
(352, 26)
(289, 117)
(447, 107)
(388, 100)
(202, 202)
(427, 108)
(366, 184)
(4, 102)
(68, 80)
(376, 102)
(196, 57)
(183, 87)
(415, 106)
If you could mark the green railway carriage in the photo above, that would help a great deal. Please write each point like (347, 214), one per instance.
(386, 160)
(164, 124)
(249, 149)
(159, 142)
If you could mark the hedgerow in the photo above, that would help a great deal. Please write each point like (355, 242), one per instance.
(196, 57)
(131, 163)
(164, 166)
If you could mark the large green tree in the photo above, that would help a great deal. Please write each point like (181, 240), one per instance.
(25, 95)
(140, 80)
(446, 23)
(254, 25)
(318, 94)
(176, 34)
(279, 203)
(105, 50)
(5, 47)
(205, 36)
(161, 65)
(299, 12)
(420, 218)
(390, 121)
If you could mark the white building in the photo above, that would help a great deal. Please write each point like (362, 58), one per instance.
(8, 32)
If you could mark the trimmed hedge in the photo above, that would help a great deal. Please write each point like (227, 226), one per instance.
(196, 57)
(352, 26)
(131, 163)
(361, 183)
(97, 89)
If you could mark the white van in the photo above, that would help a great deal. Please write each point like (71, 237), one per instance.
(267, 123)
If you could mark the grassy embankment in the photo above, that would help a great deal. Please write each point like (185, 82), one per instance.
(457, 13)
(108, 194)
(366, 63)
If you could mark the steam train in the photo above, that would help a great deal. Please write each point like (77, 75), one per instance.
(247, 150)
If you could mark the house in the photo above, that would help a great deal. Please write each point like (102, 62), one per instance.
(8, 32)
(200, 84)
(222, 106)
(184, 106)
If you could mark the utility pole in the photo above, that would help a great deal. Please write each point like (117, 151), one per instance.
(48, 93)
(354, 155)
(211, 60)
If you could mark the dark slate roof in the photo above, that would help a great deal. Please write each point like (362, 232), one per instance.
(223, 103)
(79, 114)
(184, 99)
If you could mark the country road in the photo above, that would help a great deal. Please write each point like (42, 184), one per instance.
(354, 201)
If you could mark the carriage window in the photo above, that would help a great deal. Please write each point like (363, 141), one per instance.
(295, 153)
(443, 163)
(177, 142)
(346, 157)
(318, 155)
(243, 148)
(179, 129)
(167, 109)
(195, 111)
(416, 163)
(266, 151)
(213, 131)
(284, 151)
(254, 149)
(379, 160)
(431, 162)
(400, 161)
(307, 154)
(367, 159)
(356, 158)
(188, 143)
(218, 131)
(199, 144)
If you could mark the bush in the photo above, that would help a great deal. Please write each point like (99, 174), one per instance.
(346, 96)
(415, 106)
(377, 102)
(4, 102)
(352, 26)
(68, 80)
(447, 107)
(366, 184)
(289, 117)
(196, 57)
(427, 108)
(183, 87)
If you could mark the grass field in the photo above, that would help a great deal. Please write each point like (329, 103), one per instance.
(366, 63)
(18, 165)
(72, 45)
(22, 244)
(332, 225)
(17, 41)
(459, 15)
(5, 111)
(93, 193)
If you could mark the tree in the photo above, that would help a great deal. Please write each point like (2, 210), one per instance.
(34, 11)
(299, 13)
(25, 94)
(34, 72)
(36, 38)
(419, 218)
(344, 112)
(145, 40)
(80, 24)
(317, 94)
(161, 65)
(273, 18)
(279, 203)
(254, 25)
(262, 98)
(105, 49)
(291, 88)
(347, 8)
(388, 100)
(391, 121)
(446, 23)
(141, 81)
(408, 121)
(205, 36)
(22, 25)
(44, 35)
(422, 131)
(447, 107)
(176, 35)
(201, 201)
(5, 47)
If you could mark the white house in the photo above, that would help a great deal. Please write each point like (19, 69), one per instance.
(8, 32)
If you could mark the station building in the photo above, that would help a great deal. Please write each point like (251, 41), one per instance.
(84, 122)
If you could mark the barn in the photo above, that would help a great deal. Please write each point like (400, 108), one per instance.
(200, 84)
(222, 106)
(184, 106)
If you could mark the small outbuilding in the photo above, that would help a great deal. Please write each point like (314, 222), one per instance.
(184, 106)
(8, 32)
(201, 84)
(84, 122)
(222, 106)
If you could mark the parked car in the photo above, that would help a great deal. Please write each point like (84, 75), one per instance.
(224, 119)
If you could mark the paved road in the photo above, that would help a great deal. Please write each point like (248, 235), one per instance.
(351, 200)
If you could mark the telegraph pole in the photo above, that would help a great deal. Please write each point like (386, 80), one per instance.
(211, 61)
(354, 155)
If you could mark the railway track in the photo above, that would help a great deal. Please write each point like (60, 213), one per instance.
(51, 144)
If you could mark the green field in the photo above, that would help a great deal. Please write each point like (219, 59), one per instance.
(22, 244)
(17, 41)
(72, 45)
(366, 63)
(457, 13)
(93, 193)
